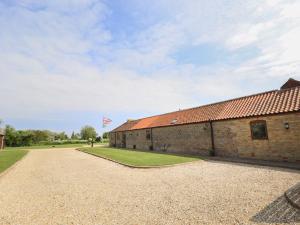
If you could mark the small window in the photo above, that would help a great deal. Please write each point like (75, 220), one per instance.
(148, 134)
(259, 129)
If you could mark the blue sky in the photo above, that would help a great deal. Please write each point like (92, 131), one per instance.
(67, 63)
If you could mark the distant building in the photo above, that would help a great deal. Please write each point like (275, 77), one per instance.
(261, 126)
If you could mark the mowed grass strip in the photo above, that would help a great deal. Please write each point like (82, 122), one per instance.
(9, 157)
(46, 146)
(139, 158)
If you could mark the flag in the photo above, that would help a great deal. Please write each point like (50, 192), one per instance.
(106, 121)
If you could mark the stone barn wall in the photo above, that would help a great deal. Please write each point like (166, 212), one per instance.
(189, 138)
(138, 139)
(1, 142)
(232, 138)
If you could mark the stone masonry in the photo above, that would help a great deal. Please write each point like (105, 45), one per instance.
(232, 138)
(1, 141)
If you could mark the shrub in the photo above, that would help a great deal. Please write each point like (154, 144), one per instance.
(62, 142)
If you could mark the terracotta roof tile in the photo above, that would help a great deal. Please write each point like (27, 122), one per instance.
(272, 102)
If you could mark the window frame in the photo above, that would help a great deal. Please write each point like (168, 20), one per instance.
(253, 122)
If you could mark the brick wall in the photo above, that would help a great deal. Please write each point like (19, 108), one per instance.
(232, 138)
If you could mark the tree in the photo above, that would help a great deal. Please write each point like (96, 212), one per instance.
(24, 138)
(105, 135)
(87, 132)
(98, 139)
(61, 136)
(10, 136)
(30, 137)
(73, 136)
(40, 135)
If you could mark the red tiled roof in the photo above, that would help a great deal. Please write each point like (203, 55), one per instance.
(272, 102)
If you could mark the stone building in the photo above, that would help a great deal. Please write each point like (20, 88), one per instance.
(261, 126)
(1, 139)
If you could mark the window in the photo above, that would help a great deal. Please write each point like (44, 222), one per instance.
(148, 134)
(259, 129)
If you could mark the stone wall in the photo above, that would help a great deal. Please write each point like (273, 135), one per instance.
(1, 142)
(117, 140)
(112, 139)
(190, 138)
(232, 138)
(138, 139)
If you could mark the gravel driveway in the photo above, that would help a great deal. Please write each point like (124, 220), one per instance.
(65, 186)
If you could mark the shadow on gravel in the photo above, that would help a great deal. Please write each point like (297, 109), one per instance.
(279, 211)
(259, 164)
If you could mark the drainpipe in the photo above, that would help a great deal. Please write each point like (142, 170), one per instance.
(115, 139)
(213, 152)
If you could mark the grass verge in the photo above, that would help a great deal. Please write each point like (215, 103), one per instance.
(139, 158)
(9, 157)
(46, 146)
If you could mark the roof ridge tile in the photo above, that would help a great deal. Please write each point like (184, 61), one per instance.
(265, 103)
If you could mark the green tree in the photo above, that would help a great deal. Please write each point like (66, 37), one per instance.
(24, 138)
(105, 135)
(10, 136)
(87, 132)
(73, 136)
(61, 136)
(77, 136)
(40, 135)
(98, 139)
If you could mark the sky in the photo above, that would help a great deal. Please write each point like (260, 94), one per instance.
(67, 63)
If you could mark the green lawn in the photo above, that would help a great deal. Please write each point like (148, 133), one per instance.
(46, 146)
(9, 157)
(139, 158)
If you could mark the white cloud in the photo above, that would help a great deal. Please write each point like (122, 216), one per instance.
(52, 58)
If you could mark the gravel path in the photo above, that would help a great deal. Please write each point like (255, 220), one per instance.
(64, 186)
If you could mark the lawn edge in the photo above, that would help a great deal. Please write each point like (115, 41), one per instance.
(3, 173)
(138, 167)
